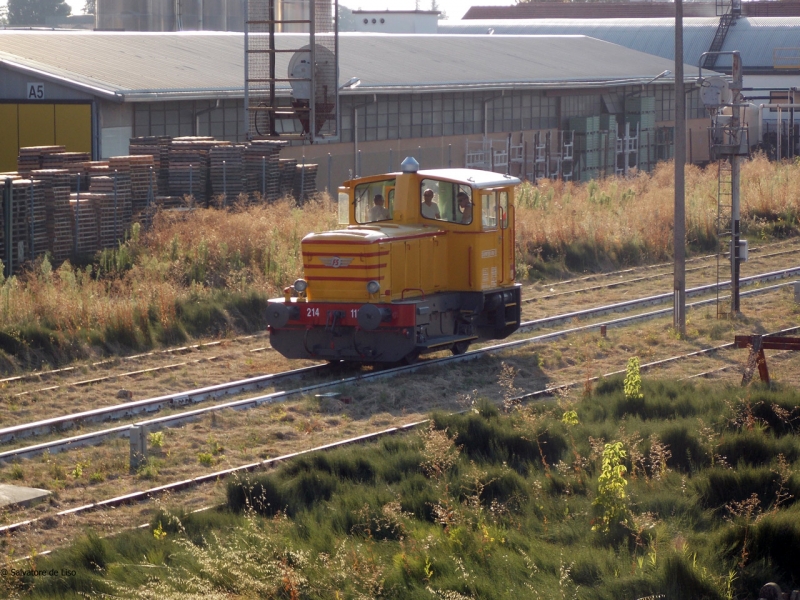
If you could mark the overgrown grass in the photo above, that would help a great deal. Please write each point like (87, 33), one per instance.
(209, 271)
(491, 504)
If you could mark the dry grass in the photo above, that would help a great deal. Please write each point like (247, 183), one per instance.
(208, 272)
(617, 221)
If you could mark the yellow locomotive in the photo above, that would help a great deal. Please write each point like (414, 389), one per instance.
(425, 263)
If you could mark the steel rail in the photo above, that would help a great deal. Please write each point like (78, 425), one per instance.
(180, 350)
(755, 249)
(177, 419)
(657, 299)
(128, 409)
(613, 284)
(185, 484)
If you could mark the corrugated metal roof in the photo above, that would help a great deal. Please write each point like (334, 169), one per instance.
(654, 36)
(753, 37)
(756, 37)
(590, 10)
(189, 64)
(622, 10)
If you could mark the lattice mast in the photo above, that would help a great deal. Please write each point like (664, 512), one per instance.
(291, 69)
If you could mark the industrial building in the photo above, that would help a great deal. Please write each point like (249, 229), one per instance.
(766, 34)
(426, 95)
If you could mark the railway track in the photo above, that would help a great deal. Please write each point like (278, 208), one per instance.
(127, 410)
(186, 484)
(108, 376)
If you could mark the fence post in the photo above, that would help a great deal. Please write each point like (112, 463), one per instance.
(359, 172)
(191, 184)
(391, 161)
(77, 213)
(138, 452)
(449, 155)
(303, 180)
(224, 185)
(116, 235)
(31, 226)
(263, 178)
(150, 187)
(330, 166)
(8, 192)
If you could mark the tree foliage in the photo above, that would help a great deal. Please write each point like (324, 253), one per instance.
(35, 12)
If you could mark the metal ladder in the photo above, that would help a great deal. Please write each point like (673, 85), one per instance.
(723, 223)
(727, 11)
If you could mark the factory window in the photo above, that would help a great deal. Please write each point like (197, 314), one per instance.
(191, 118)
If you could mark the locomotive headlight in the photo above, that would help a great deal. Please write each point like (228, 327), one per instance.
(300, 286)
(373, 287)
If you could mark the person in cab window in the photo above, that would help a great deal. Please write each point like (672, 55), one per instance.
(429, 209)
(465, 206)
(378, 212)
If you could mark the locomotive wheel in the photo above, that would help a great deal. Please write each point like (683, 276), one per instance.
(410, 358)
(459, 348)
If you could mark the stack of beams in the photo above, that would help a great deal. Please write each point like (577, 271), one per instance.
(120, 167)
(30, 158)
(287, 168)
(305, 182)
(156, 146)
(227, 179)
(84, 216)
(51, 179)
(261, 168)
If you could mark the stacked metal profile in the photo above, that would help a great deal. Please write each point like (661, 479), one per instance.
(84, 217)
(30, 158)
(227, 171)
(587, 146)
(641, 111)
(261, 168)
(158, 148)
(305, 182)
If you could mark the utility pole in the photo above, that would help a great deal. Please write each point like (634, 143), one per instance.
(679, 229)
(737, 132)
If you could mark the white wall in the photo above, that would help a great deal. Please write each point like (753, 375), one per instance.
(396, 22)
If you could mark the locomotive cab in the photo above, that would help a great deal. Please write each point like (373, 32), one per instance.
(424, 261)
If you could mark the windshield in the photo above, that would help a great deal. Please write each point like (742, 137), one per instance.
(374, 201)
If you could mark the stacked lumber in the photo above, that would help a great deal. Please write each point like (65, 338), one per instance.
(227, 171)
(305, 182)
(261, 168)
(120, 167)
(50, 179)
(144, 186)
(84, 216)
(30, 157)
(158, 148)
(111, 211)
(63, 241)
(188, 167)
(286, 168)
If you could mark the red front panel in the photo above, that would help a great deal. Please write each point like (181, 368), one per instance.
(319, 314)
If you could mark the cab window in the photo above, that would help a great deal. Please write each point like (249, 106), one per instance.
(489, 210)
(503, 210)
(445, 201)
(374, 201)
